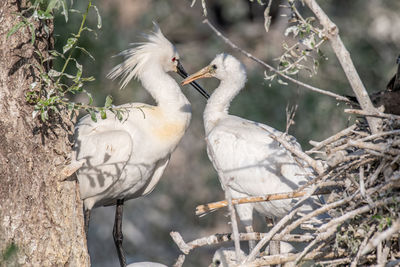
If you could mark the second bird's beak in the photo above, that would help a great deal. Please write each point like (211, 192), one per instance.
(181, 71)
(203, 73)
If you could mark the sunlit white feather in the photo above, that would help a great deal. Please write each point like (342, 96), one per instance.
(125, 159)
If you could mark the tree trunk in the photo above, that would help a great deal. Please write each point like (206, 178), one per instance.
(40, 215)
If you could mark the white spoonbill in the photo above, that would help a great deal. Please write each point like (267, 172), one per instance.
(252, 163)
(125, 159)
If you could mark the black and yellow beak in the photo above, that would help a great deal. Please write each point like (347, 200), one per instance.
(203, 73)
(181, 71)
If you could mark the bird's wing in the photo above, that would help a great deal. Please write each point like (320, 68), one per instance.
(158, 172)
(254, 163)
(105, 154)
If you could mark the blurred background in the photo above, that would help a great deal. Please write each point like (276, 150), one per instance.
(369, 29)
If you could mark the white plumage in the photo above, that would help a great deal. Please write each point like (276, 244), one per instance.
(252, 162)
(122, 160)
(125, 159)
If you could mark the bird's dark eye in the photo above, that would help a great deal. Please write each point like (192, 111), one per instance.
(217, 262)
(214, 67)
(173, 59)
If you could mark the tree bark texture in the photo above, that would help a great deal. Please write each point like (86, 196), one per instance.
(40, 214)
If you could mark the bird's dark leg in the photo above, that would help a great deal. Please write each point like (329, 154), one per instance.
(86, 216)
(117, 232)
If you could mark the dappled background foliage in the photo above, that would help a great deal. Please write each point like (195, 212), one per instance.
(368, 29)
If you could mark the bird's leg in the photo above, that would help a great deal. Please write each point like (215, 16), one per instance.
(86, 216)
(117, 232)
(245, 213)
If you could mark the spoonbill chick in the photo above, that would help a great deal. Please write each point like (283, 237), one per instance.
(226, 256)
(251, 161)
(122, 160)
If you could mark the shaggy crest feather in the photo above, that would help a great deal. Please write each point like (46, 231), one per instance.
(137, 57)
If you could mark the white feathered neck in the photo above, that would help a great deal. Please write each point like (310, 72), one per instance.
(219, 102)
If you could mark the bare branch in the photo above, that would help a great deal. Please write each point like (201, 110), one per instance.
(185, 248)
(282, 222)
(221, 238)
(376, 114)
(290, 257)
(363, 244)
(332, 32)
(317, 166)
(179, 262)
(201, 209)
(395, 228)
(319, 145)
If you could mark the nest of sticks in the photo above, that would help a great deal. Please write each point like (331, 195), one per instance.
(359, 176)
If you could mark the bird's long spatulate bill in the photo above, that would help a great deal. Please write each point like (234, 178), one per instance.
(181, 71)
(203, 73)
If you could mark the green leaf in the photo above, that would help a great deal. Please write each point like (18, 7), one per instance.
(99, 22)
(108, 101)
(10, 251)
(56, 54)
(70, 106)
(282, 82)
(90, 98)
(33, 33)
(15, 28)
(119, 115)
(69, 76)
(93, 115)
(79, 72)
(45, 78)
(43, 15)
(44, 116)
(70, 43)
(74, 10)
(103, 114)
(65, 10)
(51, 5)
(54, 73)
(88, 79)
(86, 52)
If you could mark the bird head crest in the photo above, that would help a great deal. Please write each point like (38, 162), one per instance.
(155, 47)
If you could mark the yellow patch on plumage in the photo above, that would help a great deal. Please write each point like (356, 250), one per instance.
(169, 130)
(166, 129)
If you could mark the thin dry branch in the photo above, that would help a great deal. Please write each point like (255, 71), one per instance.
(269, 67)
(316, 165)
(282, 222)
(349, 215)
(202, 209)
(363, 244)
(395, 228)
(376, 114)
(377, 147)
(290, 257)
(332, 32)
(333, 138)
(179, 262)
(221, 238)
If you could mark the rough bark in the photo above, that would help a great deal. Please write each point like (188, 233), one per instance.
(39, 214)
